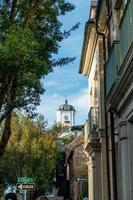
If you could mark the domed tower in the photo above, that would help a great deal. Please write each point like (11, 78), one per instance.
(66, 115)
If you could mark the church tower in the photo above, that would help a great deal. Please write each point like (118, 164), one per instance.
(66, 115)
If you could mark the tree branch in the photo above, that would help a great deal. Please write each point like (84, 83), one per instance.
(7, 126)
(4, 115)
(32, 12)
(13, 10)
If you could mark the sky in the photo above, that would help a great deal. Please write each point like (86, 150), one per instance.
(66, 81)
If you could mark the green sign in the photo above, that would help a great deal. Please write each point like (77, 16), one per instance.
(25, 180)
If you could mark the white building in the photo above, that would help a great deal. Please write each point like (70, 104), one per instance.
(66, 115)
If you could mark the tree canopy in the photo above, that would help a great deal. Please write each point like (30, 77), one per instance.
(30, 34)
(31, 152)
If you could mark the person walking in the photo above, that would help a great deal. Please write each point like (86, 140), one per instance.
(42, 197)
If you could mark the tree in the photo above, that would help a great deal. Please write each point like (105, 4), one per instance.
(29, 152)
(30, 34)
(55, 130)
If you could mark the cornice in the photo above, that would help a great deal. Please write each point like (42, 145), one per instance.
(101, 15)
(94, 147)
(88, 49)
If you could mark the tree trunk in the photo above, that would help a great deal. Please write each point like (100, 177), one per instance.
(13, 10)
(6, 134)
(11, 92)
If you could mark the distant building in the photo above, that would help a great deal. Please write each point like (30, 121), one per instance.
(69, 133)
(76, 163)
(73, 132)
(66, 115)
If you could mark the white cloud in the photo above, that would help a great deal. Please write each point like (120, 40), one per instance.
(49, 104)
(68, 86)
(56, 84)
(80, 102)
(50, 83)
(80, 99)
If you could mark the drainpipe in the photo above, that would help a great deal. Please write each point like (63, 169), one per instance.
(106, 126)
(114, 171)
(114, 179)
(105, 111)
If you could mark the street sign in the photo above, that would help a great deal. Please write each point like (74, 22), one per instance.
(27, 186)
(25, 180)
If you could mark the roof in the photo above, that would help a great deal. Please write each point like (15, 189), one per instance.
(88, 30)
(77, 128)
(73, 145)
(66, 107)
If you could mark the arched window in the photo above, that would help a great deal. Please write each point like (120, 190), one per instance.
(65, 118)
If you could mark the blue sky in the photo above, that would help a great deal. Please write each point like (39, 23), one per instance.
(66, 81)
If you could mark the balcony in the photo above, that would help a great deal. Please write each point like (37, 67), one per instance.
(126, 30)
(112, 66)
(93, 119)
(86, 132)
(91, 128)
(93, 123)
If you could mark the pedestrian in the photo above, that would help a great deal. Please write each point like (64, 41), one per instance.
(42, 197)
(85, 198)
(10, 196)
(75, 188)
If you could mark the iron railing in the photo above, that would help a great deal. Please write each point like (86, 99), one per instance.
(93, 119)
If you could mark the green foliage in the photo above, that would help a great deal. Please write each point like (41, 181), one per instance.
(30, 35)
(55, 130)
(31, 152)
(68, 140)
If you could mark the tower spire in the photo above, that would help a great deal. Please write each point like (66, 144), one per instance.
(66, 101)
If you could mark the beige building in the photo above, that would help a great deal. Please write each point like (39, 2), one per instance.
(107, 61)
(119, 99)
(95, 145)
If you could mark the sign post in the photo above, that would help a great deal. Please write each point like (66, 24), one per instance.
(25, 193)
(25, 184)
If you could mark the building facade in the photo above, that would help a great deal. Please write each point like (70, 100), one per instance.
(70, 141)
(119, 99)
(66, 115)
(77, 168)
(95, 143)
(106, 60)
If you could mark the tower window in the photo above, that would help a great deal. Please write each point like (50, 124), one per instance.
(65, 118)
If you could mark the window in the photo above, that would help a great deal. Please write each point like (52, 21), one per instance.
(65, 118)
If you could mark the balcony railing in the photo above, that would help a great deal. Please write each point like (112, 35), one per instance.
(91, 126)
(93, 119)
(112, 66)
(126, 30)
(86, 131)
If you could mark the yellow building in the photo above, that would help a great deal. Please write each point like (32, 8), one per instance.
(95, 142)
(107, 62)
